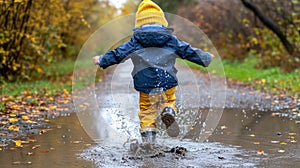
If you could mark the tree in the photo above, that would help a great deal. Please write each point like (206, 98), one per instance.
(268, 22)
(37, 33)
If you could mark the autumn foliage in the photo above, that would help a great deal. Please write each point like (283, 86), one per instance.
(37, 33)
(237, 31)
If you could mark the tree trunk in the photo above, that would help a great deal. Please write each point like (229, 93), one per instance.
(268, 22)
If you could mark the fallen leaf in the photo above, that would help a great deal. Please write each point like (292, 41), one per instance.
(35, 146)
(18, 143)
(25, 142)
(252, 135)
(30, 153)
(12, 120)
(229, 133)
(223, 127)
(0, 149)
(260, 152)
(32, 140)
(256, 143)
(283, 143)
(31, 122)
(53, 107)
(17, 163)
(281, 151)
(76, 142)
(14, 128)
(25, 117)
(3, 145)
(275, 114)
(292, 134)
(12, 115)
(274, 142)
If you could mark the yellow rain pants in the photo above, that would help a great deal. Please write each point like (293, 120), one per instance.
(151, 104)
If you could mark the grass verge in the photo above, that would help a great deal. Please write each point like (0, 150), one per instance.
(56, 78)
(271, 80)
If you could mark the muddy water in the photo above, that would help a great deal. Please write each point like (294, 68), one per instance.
(56, 148)
(242, 139)
(277, 137)
(235, 143)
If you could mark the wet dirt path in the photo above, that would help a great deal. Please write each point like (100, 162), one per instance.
(247, 135)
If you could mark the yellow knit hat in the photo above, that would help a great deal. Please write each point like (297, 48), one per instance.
(149, 12)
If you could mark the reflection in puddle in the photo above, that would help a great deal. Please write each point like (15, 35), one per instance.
(253, 130)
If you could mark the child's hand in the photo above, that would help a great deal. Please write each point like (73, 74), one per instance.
(96, 60)
(212, 56)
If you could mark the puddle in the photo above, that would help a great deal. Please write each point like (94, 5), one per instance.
(198, 155)
(277, 137)
(235, 143)
(56, 148)
(243, 138)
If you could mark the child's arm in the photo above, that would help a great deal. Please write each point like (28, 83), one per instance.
(196, 55)
(117, 55)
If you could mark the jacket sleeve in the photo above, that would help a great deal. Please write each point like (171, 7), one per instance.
(117, 55)
(185, 51)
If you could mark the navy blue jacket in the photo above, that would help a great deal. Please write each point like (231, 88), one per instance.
(153, 51)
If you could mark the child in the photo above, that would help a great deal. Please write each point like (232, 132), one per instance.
(152, 50)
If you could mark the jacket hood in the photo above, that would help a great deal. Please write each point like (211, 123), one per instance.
(153, 38)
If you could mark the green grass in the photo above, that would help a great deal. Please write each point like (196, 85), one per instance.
(272, 80)
(56, 78)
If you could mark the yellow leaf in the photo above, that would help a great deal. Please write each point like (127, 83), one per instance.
(12, 120)
(0, 149)
(65, 91)
(12, 115)
(256, 143)
(13, 128)
(31, 122)
(25, 117)
(18, 143)
(53, 107)
(283, 143)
